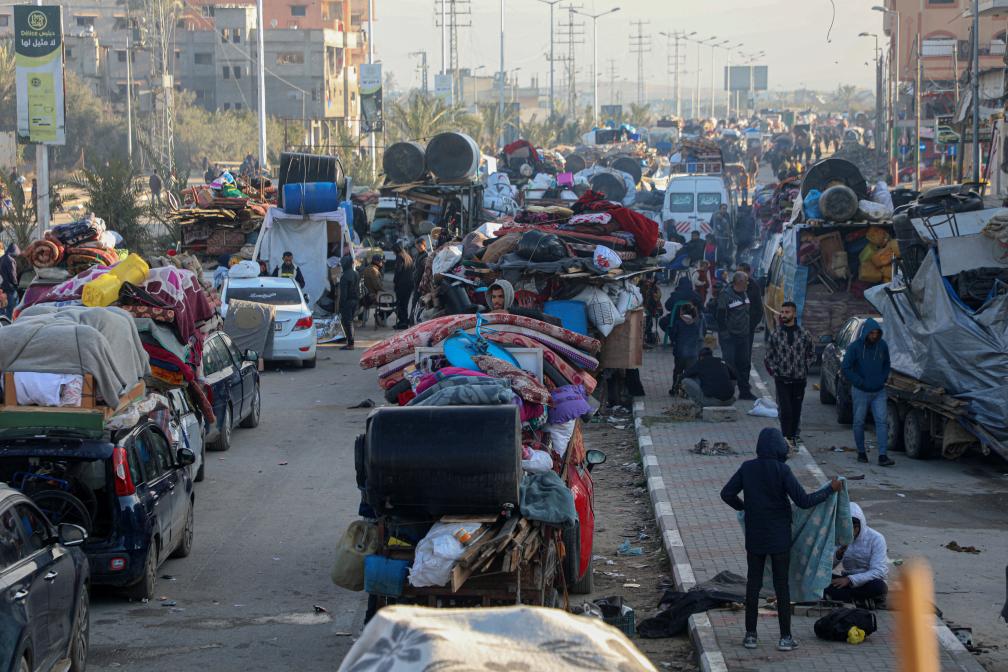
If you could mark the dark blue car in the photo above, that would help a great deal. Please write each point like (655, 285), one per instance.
(232, 385)
(130, 490)
(44, 615)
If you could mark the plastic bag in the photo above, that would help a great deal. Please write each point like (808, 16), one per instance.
(605, 258)
(561, 435)
(600, 309)
(811, 204)
(629, 298)
(436, 554)
(244, 269)
(873, 211)
(765, 407)
(538, 246)
(447, 259)
(671, 249)
(539, 463)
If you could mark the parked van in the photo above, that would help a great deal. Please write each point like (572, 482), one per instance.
(691, 201)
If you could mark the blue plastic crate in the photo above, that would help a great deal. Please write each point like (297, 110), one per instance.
(384, 576)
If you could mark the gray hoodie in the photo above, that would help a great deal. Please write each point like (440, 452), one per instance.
(865, 558)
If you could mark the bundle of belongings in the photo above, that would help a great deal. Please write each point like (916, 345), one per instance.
(152, 325)
(67, 249)
(217, 218)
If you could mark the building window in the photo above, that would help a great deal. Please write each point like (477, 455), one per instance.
(226, 72)
(236, 36)
(85, 21)
(227, 106)
(290, 58)
(67, 51)
(299, 10)
(203, 58)
(119, 24)
(4, 20)
(121, 55)
(238, 106)
(207, 10)
(237, 72)
(180, 24)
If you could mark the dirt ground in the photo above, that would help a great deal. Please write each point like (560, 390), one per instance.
(623, 512)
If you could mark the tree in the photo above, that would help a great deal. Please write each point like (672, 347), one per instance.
(640, 115)
(493, 123)
(113, 193)
(17, 221)
(844, 97)
(421, 117)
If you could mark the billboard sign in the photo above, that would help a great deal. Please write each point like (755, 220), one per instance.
(745, 78)
(372, 119)
(38, 62)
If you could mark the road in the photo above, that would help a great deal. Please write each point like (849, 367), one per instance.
(922, 505)
(268, 517)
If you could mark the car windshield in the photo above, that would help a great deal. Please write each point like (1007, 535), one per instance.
(708, 201)
(276, 296)
(680, 202)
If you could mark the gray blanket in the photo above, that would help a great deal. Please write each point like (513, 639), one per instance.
(250, 325)
(101, 341)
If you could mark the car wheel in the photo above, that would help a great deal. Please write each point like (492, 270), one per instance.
(844, 405)
(185, 544)
(572, 562)
(252, 419)
(201, 472)
(144, 588)
(894, 427)
(24, 666)
(223, 441)
(825, 396)
(308, 363)
(916, 438)
(82, 624)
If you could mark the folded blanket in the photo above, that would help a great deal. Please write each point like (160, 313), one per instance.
(44, 253)
(78, 232)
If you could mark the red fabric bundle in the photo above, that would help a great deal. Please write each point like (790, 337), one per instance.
(644, 230)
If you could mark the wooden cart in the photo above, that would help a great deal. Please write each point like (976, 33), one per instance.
(89, 417)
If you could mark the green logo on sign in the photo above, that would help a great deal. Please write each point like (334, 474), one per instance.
(37, 21)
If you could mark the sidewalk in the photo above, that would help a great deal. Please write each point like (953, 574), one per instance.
(702, 537)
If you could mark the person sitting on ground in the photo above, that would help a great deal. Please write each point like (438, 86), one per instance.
(767, 484)
(863, 564)
(709, 382)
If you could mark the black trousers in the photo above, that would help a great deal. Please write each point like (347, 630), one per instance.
(347, 313)
(681, 364)
(790, 395)
(874, 589)
(780, 563)
(402, 305)
(736, 351)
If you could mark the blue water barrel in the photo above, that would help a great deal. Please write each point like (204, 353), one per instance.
(572, 314)
(305, 198)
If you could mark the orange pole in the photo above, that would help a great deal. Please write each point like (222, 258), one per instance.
(915, 620)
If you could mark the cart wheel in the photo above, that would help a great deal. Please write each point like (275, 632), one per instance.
(916, 438)
(894, 427)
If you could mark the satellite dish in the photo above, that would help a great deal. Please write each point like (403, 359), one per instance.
(274, 23)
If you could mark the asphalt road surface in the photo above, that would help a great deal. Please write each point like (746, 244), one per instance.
(268, 517)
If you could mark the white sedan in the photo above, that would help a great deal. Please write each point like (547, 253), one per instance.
(294, 337)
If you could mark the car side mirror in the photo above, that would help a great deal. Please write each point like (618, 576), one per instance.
(826, 340)
(593, 457)
(251, 356)
(185, 457)
(71, 535)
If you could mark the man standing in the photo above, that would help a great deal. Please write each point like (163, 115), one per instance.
(755, 294)
(402, 283)
(419, 267)
(9, 278)
(349, 299)
(721, 225)
(733, 315)
(790, 353)
(373, 277)
(155, 188)
(288, 269)
(866, 367)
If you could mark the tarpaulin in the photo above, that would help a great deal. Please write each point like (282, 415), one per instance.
(949, 345)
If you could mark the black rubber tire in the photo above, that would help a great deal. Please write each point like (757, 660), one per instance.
(586, 584)
(838, 203)
(201, 472)
(916, 437)
(308, 363)
(184, 547)
(825, 396)
(79, 640)
(144, 588)
(251, 420)
(62, 507)
(894, 425)
(223, 441)
(571, 562)
(844, 405)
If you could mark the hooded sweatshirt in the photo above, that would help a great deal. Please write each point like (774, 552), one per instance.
(866, 365)
(508, 290)
(766, 484)
(865, 559)
(8, 269)
(684, 293)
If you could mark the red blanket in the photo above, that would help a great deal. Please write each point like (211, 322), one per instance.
(644, 230)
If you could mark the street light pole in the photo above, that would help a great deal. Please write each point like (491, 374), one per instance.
(595, 18)
(261, 68)
(975, 88)
(878, 98)
(552, 103)
(500, 102)
(370, 59)
(893, 144)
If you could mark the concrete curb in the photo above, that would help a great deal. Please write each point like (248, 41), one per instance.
(701, 631)
(709, 655)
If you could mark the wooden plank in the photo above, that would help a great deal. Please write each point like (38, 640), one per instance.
(468, 519)
(10, 392)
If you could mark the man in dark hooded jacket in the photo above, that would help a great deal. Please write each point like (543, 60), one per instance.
(766, 484)
(9, 278)
(349, 299)
(402, 283)
(866, 367)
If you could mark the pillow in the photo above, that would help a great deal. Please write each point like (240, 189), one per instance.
(522, 382)
(569, 403)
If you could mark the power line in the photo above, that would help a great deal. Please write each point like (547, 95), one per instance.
(675, 63)
(453, 14)
(640, 44)
(571, 34)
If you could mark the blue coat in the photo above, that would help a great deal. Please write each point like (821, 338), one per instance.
(866, 365)
(767, 483)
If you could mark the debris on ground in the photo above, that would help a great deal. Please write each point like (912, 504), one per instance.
(367, 403)
(705, 447)
(682, 409)
(953, 546)
(625, 549)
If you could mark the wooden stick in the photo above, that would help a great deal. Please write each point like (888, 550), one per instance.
(915, 619)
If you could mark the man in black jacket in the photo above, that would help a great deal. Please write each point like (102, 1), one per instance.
(767, 483)
(402, 283)
(734, 324)
(790, 353)
(349, 299)
(419, 267)
(709, 382)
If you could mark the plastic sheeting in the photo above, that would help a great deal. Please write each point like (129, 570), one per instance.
(950, 346)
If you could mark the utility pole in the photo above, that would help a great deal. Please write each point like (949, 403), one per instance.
(675, 66)
(594, 70)
(612, 81)
(129, 88)
(503, 75)
(571, 34)
(261, 75)
(423, 68)
(370, 60)
(640, 44)
(552, 55)
(975, 87)
(699, 60)
(457, 14)
(42, 180)
(917, 112)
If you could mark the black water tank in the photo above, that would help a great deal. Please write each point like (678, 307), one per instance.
(575, 163)
(628, 165)
(403, 162)
(613, 187)
(297, 167)
(437, 460)
(452, 156)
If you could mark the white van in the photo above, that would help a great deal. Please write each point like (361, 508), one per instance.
(691, 200)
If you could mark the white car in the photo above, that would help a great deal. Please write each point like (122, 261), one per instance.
(294, 337)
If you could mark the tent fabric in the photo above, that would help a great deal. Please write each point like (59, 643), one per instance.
(305, 237)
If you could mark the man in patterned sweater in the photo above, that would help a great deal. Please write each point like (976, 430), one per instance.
(790, 353)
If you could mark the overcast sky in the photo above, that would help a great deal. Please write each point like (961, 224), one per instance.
(802, 48)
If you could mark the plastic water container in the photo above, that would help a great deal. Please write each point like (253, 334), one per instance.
(104, 290)
(384, 576)
(305, 198)
(572, 315)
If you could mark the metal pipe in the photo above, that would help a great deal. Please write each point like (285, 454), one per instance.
(42, 180)
(975, 86)
(261, 67)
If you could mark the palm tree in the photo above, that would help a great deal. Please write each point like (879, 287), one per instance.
(114, 192)
(420, 117)
(639, 115)
(493, 123)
